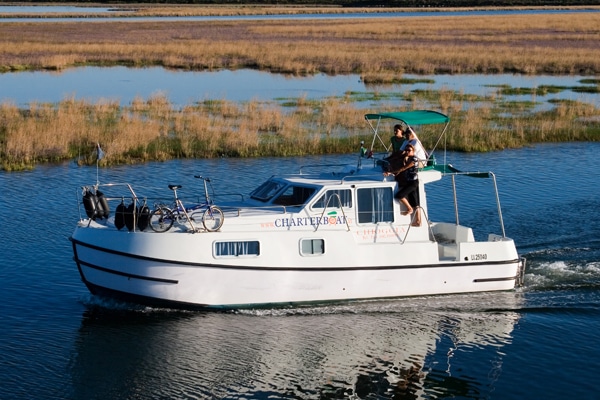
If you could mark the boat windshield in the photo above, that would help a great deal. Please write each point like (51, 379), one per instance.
(267, 190)
(294, 196)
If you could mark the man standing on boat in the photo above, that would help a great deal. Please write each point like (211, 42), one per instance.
(408, 183)
(397, 140)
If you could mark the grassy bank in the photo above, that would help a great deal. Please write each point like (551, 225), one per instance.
(154, 129)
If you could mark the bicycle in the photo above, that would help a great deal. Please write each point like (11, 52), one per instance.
(163, 217)
(211, 216)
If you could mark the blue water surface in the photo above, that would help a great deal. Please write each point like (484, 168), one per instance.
(123, 85)
(540, 341)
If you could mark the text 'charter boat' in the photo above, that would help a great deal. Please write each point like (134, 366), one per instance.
(324, 234)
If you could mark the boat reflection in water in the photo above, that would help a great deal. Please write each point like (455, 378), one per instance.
(407, 348)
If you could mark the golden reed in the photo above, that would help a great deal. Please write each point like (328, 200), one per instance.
(155, 129)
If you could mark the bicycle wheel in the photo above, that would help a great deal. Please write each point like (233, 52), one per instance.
(212, 219)
(161, 219)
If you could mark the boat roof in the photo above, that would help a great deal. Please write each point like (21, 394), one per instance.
(416, 117)
(352, 175)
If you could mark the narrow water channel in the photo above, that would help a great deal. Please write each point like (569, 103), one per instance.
(184, 87)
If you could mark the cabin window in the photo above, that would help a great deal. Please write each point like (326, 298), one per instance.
(294, 196)
(375, 205)
(236, 249)
(267, 190)
(312, 246)
(335, 199)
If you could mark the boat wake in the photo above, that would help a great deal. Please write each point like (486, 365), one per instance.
(486, 302)
(565, 268)
(98, 304)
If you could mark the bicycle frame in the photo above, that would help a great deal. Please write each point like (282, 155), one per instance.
(175, 212)
(212, 217)
(163, 216)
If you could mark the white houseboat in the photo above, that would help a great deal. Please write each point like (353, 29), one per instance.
(322, 235)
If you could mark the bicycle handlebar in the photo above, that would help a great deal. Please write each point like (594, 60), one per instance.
(201, 177)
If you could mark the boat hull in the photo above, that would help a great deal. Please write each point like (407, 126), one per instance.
(179, 271)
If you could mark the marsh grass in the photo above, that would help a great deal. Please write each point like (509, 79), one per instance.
(381, 50)
(154, 129)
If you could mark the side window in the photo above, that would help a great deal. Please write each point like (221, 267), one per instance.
(335, 199)
(375, 205)
(236, 249)
(312, 246)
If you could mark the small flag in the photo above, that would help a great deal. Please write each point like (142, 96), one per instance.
(99, 152)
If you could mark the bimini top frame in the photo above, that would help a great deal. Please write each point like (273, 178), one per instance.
(429, 117)
(408, 118)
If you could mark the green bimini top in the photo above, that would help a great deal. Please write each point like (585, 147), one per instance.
(417, 117)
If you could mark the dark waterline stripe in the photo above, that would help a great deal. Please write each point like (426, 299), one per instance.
(510, 278)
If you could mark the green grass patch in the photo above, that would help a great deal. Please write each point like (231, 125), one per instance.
(390, 80)
(541, 90)
(590, 81)
(515, 106)
(586, 89)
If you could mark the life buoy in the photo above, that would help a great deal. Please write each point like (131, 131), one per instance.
(120, 216)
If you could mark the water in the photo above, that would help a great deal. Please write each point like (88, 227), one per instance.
(408, 14)
(541, 341)
(37, 9)
(180, 87)
(124, 84)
